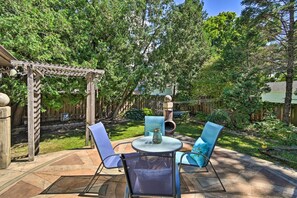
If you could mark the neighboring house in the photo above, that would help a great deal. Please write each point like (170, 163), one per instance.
(166, 91)
(277, 96)
(157, 92)
(277, 93)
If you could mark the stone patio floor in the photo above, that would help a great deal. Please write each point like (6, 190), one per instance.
(66, 173)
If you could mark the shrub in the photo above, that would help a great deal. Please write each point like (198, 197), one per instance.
(147, 111)
(201, 116)
(185, 116)
(135, 114)
(239, 120)
(275, 129)
(220, 116)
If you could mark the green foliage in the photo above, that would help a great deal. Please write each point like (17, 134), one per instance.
(37, 31)
(138, 114)
(221, 30)
(183, 48)
(277, 22)
(220, 116)
(135, 114)
(147, 111)
(242, 98)
(273, 128)
(210, 81)
(200, 116)
(15, 89)
(56, 91)
(135, 42)
(235, 74)
(185, 116)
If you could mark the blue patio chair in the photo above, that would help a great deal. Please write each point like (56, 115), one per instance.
(152, 122)
(151, 174)
(202, 149)
(109, 159)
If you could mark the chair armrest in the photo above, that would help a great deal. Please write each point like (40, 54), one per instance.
(121, 144)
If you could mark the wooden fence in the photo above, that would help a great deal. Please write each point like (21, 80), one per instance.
(105, 109)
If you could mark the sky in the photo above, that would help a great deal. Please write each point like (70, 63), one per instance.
(214, 7)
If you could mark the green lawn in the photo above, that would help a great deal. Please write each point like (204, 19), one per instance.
(73, 139)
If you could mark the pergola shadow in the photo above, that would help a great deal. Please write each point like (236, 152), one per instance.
(114, 185)
(105, 185)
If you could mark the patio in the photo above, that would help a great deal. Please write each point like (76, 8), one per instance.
(66, 173)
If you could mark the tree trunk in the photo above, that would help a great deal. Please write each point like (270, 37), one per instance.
(122, 102)
(290, 65)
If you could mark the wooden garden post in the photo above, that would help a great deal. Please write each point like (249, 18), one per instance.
(30, 87)
(90, 111)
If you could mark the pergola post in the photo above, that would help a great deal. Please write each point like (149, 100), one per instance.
(90, 111)
(30, 87)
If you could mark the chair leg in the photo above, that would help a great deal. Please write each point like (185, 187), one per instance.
(217, 176)
(127, 194)
(92, 182)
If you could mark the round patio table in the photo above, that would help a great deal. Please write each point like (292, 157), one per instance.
(168, 144)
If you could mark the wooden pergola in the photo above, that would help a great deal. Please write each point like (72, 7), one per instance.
(35, 71)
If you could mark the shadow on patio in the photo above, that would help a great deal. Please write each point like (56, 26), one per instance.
(66, 173)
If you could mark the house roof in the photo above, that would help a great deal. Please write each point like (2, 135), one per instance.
(277, 93)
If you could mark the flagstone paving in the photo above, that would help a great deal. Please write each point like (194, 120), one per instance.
(66, 173)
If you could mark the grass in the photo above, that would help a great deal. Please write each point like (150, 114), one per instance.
(50, 142)
(74, 139)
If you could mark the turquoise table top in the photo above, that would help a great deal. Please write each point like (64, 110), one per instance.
(168, 144)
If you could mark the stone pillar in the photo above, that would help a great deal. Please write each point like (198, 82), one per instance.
(5, 132)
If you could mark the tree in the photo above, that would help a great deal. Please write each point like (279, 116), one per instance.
(132, 29)
(213, 76)
(278, 20)
(123, 37)
(235, 74)
(116, 36)
(184, 47)
(35, 31)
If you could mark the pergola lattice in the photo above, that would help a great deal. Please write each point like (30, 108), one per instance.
(34, 72)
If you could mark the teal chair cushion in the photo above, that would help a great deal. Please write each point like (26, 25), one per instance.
(199, 147)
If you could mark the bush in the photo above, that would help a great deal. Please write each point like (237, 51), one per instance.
(185, 116)
(275, 129)
(147, 111)
(135, 114)
(220, 116)
(239, 120)
(200, 116)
